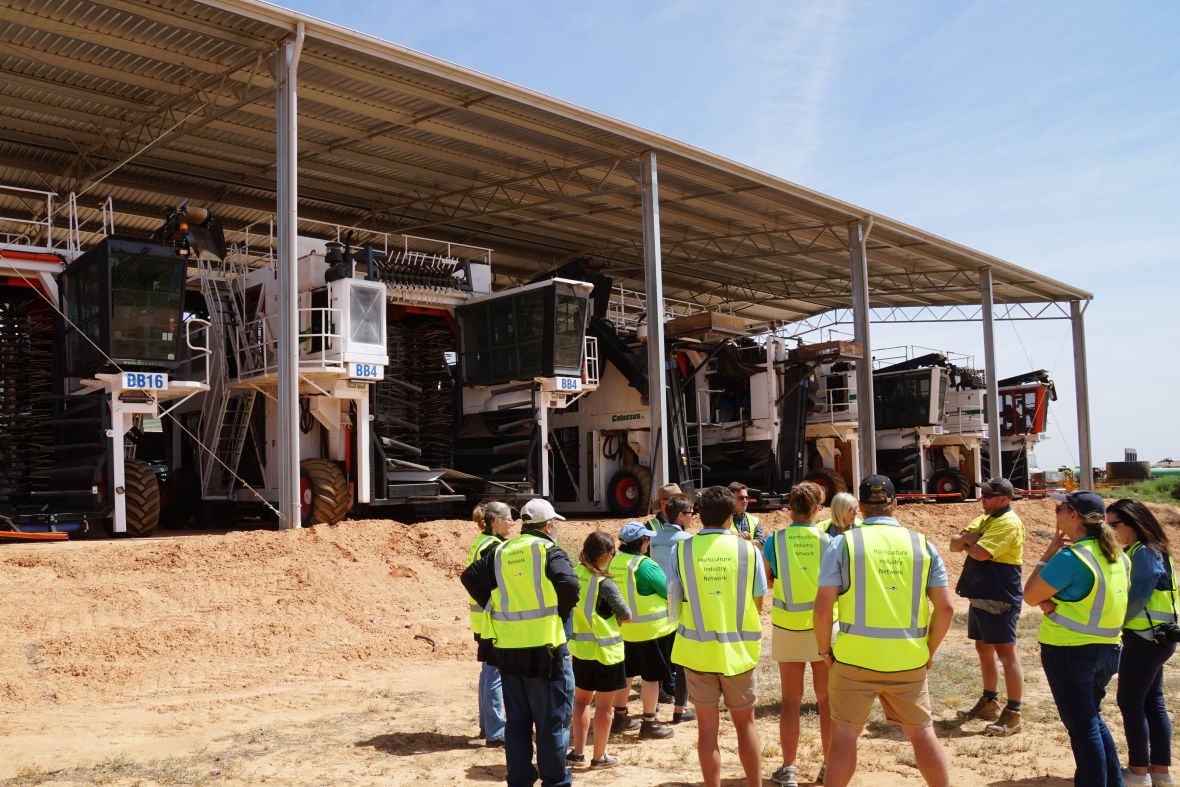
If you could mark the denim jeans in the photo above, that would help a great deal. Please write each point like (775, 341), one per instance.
(546, 705)
(1077, 676)
(1141, 700)
(491, 703)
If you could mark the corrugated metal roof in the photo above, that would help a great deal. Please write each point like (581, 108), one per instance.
(401, 142)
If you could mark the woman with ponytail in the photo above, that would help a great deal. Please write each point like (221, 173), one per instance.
(597, 649)
(1149, 640)
(1081, 585)
(494, 520)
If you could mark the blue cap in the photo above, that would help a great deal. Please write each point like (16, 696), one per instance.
(1083, 501)
(633, 531)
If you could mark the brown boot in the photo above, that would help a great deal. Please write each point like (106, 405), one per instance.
(986, 709)
(651, 729)
(622, 723)
(1008, 724)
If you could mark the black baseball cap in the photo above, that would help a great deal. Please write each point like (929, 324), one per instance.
(1083, 501)
(877, 489)
(994, 487)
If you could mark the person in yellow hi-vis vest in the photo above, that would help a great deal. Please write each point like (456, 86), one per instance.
(596, 646)
(661, 521)
(1150, 634)
(648, 634)
(716, 593)
(1081, 585)
(495, 522)
(529, 588)
(793, 555)
(894, 608)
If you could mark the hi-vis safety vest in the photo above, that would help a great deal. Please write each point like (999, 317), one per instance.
(522, 612)
(719, 631)
(884, 615)
(656, 524)
(797, 551)
(1098, 618)
(1162, 603)
(483, 542)
(751, 522)
(595, 638)
(649, 614)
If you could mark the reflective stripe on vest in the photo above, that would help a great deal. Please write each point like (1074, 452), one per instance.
(649, 613)
(524, 608)
(1097, 618)
(719, 631)
(1161, 605)
(862, 640)
(482, 543)
(594, 638)
(798, 580)
(656, 524)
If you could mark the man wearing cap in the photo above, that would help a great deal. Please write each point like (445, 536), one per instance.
(994, 547)
(889, 585)
(716, 589)
(745, 524)
(528, 588)
(663, 495)
(648, 635)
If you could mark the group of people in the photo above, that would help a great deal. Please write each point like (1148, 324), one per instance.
(862, 599)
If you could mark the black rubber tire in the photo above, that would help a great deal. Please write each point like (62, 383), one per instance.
(142, 498)
(830, 481)
(325, 495)
(629, 491)
(948, 482)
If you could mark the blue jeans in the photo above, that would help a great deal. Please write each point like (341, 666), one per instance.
(1077, 677)
(546, 705)
(1141, 700)
(491, 703)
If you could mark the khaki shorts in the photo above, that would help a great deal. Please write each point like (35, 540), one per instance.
(797, 646)
(707, 688)
(905, 697)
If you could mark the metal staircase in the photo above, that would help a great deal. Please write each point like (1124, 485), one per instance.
(225, 415)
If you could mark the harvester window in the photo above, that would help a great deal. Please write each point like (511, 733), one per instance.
(365, 316)
(146, 299)
(571, 328)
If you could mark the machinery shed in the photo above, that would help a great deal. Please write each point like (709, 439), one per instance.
(144, 103)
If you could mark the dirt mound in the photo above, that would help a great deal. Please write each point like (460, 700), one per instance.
(120, 618)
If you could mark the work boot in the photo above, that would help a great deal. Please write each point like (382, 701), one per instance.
(650, 729)
(623, 723)
(986, 709)
(1008, 724)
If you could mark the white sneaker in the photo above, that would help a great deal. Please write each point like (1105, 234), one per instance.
(1161, 780)
(1136, 779)
(786, 776)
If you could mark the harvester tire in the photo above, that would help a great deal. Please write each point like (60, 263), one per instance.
(949, 485)
(324, 494)
(629, 490)
(142, 498)
(830, 481)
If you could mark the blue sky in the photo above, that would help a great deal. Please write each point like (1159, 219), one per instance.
(1047, 134)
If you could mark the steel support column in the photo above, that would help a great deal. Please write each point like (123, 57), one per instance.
(1082, 394)
(653, 277)
(992, 411)
(858, 235)
(287, 225)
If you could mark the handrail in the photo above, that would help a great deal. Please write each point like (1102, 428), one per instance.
(257, 351)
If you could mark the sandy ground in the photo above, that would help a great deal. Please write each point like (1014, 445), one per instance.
(341, 655)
